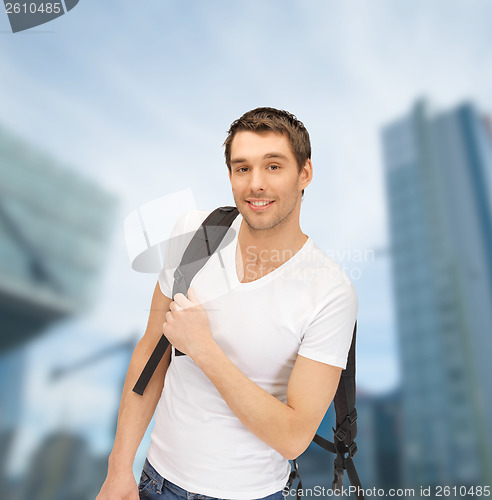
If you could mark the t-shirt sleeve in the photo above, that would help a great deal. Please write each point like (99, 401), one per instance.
(175, 246)
(328, 335)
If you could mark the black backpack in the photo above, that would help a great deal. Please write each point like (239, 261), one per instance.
(203, 244)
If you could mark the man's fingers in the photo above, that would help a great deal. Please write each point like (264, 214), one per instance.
(192, 296)
(174, 307)
(182, 301)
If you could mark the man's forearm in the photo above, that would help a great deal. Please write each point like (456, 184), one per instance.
(272, 421)
(136, 411)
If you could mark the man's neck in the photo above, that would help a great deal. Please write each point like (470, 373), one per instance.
(276, 245)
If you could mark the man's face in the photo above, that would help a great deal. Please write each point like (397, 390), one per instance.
(265, 178)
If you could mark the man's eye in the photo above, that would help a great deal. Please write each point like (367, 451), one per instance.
(241, 169)
(274, 167)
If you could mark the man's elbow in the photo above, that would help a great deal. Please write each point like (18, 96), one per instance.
(294, 448)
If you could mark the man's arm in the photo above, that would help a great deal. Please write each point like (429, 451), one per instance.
(136, 411)
(287, 428)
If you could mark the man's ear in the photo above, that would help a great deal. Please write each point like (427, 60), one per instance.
(306, 174)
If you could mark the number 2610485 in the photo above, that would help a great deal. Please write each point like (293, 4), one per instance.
(33, 8)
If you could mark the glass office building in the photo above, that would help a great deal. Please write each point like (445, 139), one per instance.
(438, 169)
(54, 226)
(54, 232)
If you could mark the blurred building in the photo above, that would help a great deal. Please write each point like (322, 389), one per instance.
(61, 469)
(387, 446)
(54, 227)
(12, 369)
(54, 232)
(63, 466)
(378, 459)
(438, 169)
(365, 458)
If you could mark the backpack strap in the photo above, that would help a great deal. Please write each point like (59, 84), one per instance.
(203, 244)
(292, 476)
(346, 414)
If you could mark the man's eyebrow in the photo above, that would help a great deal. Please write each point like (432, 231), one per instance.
(238, 160)
(268, 155)
(276, 155)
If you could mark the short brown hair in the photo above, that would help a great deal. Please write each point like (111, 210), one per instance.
(272, 120)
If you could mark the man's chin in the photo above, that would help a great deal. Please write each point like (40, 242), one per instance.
(258, 225)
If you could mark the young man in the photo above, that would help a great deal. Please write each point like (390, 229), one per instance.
(266, 330)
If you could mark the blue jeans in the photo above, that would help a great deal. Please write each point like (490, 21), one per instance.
(153, 486)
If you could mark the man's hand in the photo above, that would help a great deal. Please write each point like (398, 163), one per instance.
(187, 326)
(119, 486)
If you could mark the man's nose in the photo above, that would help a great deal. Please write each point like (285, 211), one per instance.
(257, 180)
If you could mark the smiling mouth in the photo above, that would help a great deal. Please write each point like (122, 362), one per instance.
(259, 205)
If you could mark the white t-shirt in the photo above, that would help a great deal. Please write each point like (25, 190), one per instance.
(306, 306)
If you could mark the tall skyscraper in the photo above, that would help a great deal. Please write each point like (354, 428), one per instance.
(438, 168)
(54, 233)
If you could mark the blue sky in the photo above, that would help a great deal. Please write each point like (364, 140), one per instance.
(139, 96)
